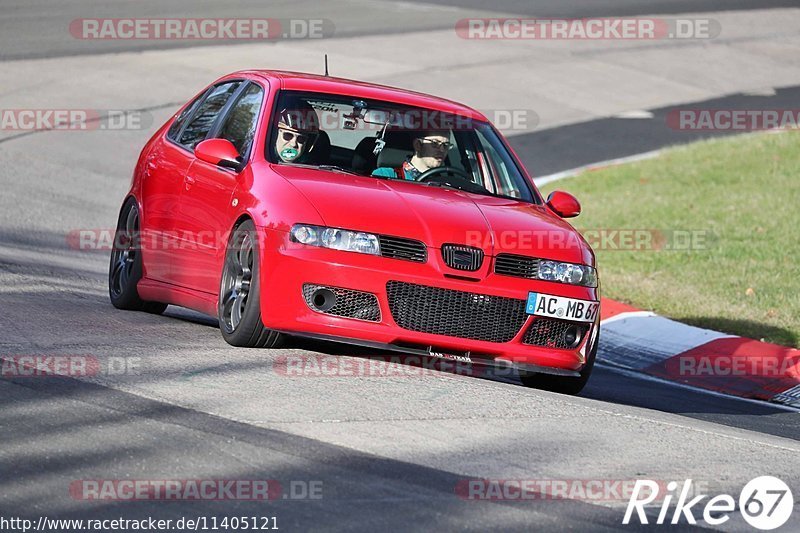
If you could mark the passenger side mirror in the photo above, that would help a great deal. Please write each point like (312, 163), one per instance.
(564, 204)
(220, 152)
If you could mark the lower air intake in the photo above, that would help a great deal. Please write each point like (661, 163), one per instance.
(342, 302)
(550, 333)
(455, 313)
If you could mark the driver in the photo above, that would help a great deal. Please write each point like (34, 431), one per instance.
(298, 128)
(430, 151)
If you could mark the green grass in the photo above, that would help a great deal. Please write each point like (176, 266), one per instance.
(743, 190)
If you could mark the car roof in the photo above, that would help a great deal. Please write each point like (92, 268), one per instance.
(301, 81)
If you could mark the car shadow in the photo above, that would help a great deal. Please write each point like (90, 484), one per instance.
(606, 385)
(188, 315)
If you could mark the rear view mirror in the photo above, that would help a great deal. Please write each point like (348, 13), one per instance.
(564, 204)
(220, 152)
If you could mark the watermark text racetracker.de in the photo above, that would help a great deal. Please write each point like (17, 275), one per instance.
(376, 121)
(194, 29)
(606, 28)
(65, 365)
(612, 239)
(384, 366)
(604, 491)
(733, 119)
(736, 365)
(132, 490)
(41, 119)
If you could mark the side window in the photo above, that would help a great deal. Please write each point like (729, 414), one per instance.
(240, 124)
(501, 170)
(172, 134)
(206, 114)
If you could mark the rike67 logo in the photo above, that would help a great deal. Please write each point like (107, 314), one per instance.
(765, 503)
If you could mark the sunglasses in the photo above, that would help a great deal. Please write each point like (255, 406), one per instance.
(441, 145)
(302, 138)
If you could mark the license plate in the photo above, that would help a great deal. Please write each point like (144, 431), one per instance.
(559, 307)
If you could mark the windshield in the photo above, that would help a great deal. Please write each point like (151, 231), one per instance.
(389, 141)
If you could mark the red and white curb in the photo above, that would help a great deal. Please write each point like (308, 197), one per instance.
(650, 344)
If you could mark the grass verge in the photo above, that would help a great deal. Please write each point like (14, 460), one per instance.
(726, 248)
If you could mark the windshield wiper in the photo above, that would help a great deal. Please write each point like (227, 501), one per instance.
(336, 168)
(483, 192)
(333, 168)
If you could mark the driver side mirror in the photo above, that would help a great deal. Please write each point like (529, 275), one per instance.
(220, 152)
(564, 204)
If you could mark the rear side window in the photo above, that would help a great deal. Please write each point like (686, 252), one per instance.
(206, 115)
(240, 124)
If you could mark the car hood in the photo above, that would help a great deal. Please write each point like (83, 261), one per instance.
(437, 215)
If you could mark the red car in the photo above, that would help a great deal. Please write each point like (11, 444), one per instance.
(294, 204)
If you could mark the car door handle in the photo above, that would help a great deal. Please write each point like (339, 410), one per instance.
(189, 181)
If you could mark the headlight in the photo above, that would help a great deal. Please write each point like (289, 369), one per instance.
(336, 239)
(305, 234)
(568, 273)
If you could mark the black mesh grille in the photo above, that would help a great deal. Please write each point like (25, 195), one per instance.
(462, 257)
(516, 265)
(399, 248)
(455, 313)
(550, 333)
(349, 303)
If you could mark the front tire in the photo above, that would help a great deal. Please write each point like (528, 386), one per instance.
(126, 269)
(564, 384)
(239, 308)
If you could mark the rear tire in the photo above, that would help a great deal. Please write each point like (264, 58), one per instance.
(239, 308)
(126, 269)
(563, 384)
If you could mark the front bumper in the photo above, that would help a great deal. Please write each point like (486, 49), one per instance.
(286, 267)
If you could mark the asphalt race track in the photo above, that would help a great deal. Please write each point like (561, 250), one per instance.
(35, 28)
(172, 400)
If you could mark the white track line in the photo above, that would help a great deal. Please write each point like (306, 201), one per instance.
(543, 180)
(627, 314)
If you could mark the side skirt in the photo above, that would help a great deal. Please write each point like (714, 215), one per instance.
(158, 291)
